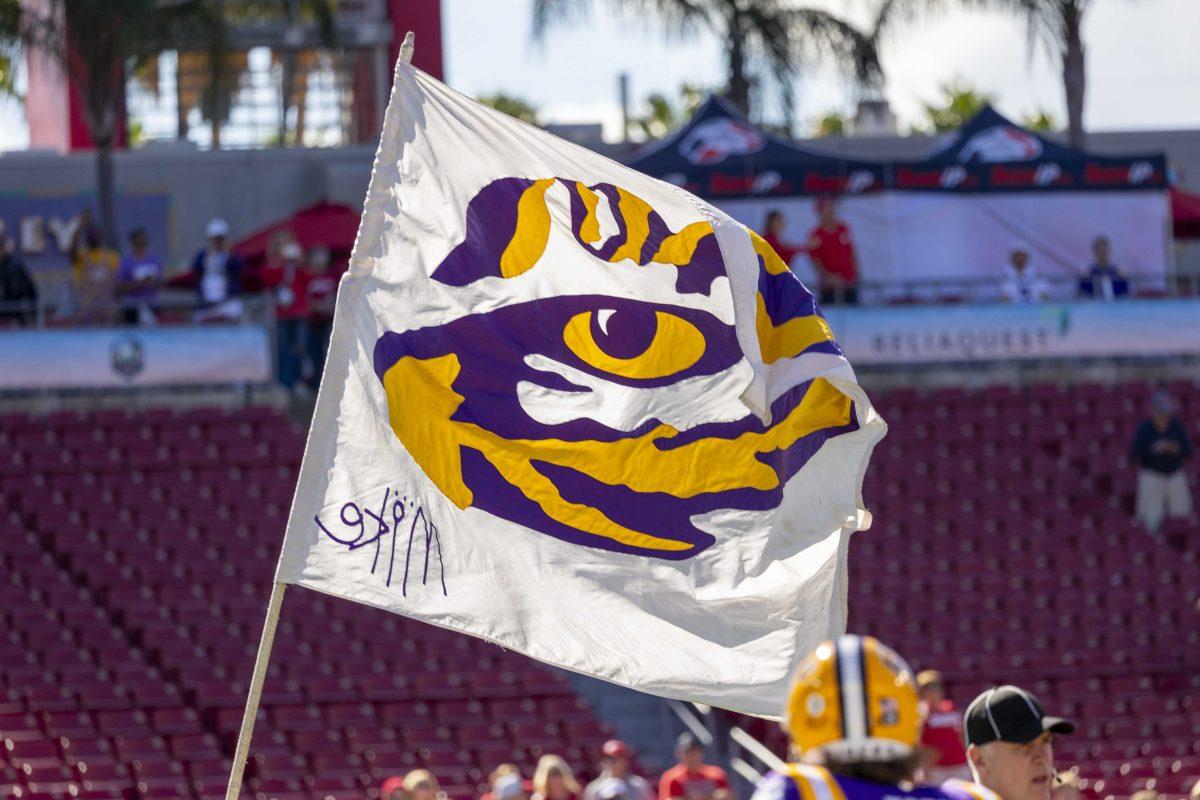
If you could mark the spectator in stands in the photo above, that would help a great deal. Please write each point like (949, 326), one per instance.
(18, 292)
(218, 271)
(616, 765)
(832, 252)
(1103, 279)
(772, 230)
(393, 789)
(288, 280)
(1067, 786)
(1022, 285)
(96, 280)
(139, 275)
(553, 780)
(691, 778)
(322, 293)
(1145, 794)
(506, 784)
(942, 748)
(1010, 743)
(421, 785)
(1160, 448)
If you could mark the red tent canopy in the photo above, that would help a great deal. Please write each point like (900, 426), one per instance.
(1185, 213)
(330, 224)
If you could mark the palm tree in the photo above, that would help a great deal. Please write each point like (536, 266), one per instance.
(97, 43)
(1055, 24)
(773, 32)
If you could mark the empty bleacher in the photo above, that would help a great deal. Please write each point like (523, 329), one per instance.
(138, 550)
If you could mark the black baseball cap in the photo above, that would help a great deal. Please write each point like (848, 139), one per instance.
(1009, 714)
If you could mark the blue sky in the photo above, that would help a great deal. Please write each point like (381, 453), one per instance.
(1142, 64)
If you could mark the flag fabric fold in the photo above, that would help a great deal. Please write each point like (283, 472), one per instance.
(577, 412)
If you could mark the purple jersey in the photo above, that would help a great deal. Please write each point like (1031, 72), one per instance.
(807, 782)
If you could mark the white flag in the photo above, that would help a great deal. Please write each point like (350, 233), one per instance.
(577, 412)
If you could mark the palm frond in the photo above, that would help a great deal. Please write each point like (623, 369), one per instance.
(679, 17)
(816, 33)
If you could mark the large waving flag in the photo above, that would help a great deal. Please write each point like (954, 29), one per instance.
(579, 413)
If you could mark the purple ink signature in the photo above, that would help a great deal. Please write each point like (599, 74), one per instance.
(360, 520)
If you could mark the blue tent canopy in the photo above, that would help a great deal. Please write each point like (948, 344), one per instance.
(993, 154)
(721, 154)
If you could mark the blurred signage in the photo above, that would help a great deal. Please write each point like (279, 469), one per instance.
(92, 358)
(43, 228)
(931, 334)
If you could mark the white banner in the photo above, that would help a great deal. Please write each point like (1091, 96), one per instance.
(924, 334)
(577, 412)
(97, 358)
(907, 238)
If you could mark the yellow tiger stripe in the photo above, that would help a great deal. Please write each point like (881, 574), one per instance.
(789, 339)
(815, 783)
(801, 781)
(771, 260)
(678, 248)
(636, 213)
(589, 229)
(532, 233)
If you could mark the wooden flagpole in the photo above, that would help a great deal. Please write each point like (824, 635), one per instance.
(242, 751)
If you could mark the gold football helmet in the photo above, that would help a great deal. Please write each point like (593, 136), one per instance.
(855, 699)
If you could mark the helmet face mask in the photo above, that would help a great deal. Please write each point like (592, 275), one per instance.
(856, 700)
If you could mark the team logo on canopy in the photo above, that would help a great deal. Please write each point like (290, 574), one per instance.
(612, 422)
(1001, 143)
(713, 141)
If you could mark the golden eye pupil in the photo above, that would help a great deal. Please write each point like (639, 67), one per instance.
(623, 333)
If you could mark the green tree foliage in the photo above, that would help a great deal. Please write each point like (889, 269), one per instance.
(956, 105)
(513, 106)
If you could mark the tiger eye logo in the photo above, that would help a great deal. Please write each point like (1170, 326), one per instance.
(601, 420)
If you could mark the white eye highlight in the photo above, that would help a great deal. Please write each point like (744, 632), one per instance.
(602, 316)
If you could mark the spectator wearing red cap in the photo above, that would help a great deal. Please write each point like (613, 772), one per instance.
(616, 779)
(691, 778)
(943, 753)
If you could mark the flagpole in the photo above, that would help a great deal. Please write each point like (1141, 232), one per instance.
(242, 751)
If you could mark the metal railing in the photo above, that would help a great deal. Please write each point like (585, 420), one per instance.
(1056, 288)
(171, 307)
(729, 745)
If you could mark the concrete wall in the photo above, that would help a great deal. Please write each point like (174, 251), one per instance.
(249, 188)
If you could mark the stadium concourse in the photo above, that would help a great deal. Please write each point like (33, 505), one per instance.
(138, 550)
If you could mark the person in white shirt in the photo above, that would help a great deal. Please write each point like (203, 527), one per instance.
(217, 270)
(1022, 284)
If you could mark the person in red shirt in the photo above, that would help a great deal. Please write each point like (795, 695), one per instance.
(943, 753)
(691, 778)
(832, 252)
(288, 280)
(322, 293)
(772, 230)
